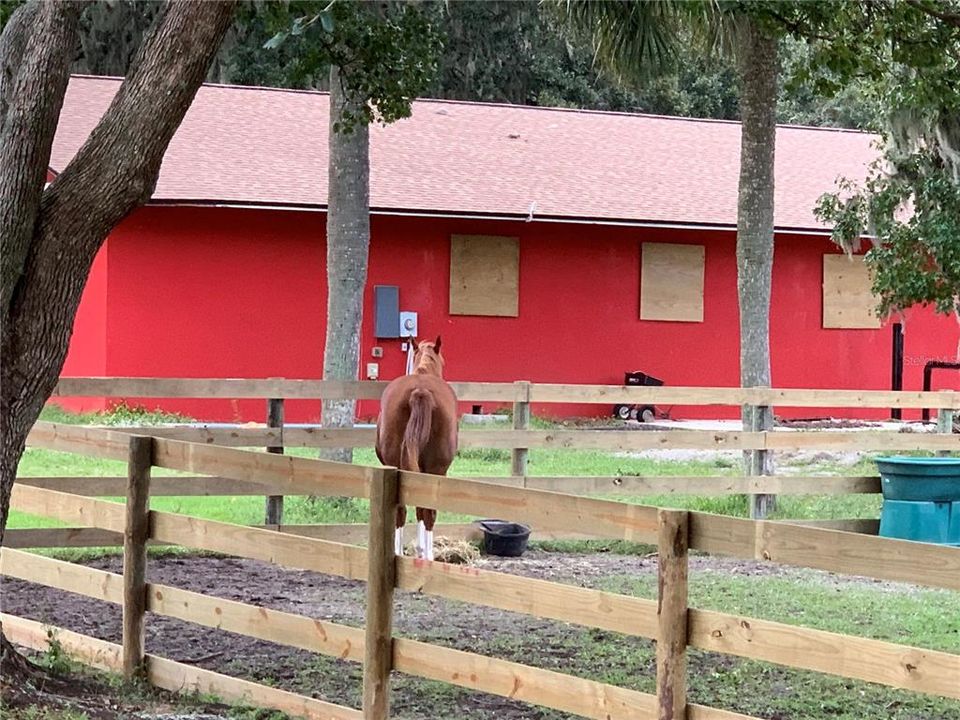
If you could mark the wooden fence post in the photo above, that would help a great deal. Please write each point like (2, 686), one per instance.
(760, 462)
(135, 536)
(672, 567)
(521, 421)
(381, 581)
(274, 513)
(944, 425)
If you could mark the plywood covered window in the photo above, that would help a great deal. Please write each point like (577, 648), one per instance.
(847, 300)
(671, 282)
(484, 275)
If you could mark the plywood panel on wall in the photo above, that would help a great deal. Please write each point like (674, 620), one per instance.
(484, 275)
(847, 300)
(671, 282)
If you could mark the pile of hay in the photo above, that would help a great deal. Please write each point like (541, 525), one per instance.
(455, 552)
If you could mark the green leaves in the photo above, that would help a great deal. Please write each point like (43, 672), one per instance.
(326, 20)
(300, 25)
(6, 10)
(276, 41)
(914, 216)
(387, 53)
(630, 39)
(910, 201)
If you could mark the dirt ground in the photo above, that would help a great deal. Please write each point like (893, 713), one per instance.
(322, 597)
(90, 697)
(453, 624)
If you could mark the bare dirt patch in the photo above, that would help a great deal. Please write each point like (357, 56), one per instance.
(43, 695)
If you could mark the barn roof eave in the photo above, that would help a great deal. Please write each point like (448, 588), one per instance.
(477, 215)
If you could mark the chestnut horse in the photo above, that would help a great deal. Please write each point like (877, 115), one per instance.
(417, 430)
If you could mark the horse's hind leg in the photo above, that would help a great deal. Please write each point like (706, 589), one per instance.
(421, 547)
(398, 533)
(425, 522)
(429, 519)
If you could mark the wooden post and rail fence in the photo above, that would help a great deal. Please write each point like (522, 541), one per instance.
(668, 620)
(759, 445)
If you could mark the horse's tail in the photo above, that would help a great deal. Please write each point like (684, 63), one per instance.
(417, 433)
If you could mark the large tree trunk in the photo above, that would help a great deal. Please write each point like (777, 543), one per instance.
(348, 245)
(757, 64)
(49, 237)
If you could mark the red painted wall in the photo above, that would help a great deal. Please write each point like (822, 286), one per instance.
(579, 306)
(87, 355)
(804, 354)
(198, 292)
(218, 293)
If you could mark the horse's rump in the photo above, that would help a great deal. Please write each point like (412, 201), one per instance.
(416, 435)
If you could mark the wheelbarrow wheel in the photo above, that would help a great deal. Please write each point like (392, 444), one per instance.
(622, 412)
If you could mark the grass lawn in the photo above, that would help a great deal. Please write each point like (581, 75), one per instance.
(469, 462)
(898, 614)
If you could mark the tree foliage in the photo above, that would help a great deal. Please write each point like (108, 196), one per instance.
(915, 257)
(517, 52)
(386, 53)
(498, 51)
(111, 33)
(810, 94)
(910, 202)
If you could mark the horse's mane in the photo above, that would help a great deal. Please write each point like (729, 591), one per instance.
(428, 361)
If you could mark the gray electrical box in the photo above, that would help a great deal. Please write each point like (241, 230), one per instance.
(386, 311)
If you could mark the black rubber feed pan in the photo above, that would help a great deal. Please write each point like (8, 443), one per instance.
(504, 539)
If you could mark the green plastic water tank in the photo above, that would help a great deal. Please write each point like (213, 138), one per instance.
(953, 533)
(932, 522)
(931, 479)
(921, 499)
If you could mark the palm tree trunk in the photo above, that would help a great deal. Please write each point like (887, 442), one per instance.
(348, 244)
(758, 69)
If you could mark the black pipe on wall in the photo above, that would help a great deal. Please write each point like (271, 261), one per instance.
(896, 378)
(928, 376)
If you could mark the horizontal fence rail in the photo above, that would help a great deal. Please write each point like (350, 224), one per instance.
(760, 445)
(549, 688)
(235, 388)
(319, 636)
(351, 533)
(592, 608)
(203, 485)
(773, 397)
(881, 662)
(611, 440)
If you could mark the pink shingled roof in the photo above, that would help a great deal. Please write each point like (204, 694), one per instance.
(258, 146)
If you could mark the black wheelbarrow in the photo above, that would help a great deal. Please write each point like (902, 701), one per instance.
(644, 413)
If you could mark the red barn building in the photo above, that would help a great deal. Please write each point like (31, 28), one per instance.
(546, 245)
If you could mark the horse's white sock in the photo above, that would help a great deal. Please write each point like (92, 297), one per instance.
(398, 541)
(429, 544)
(421, 539)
